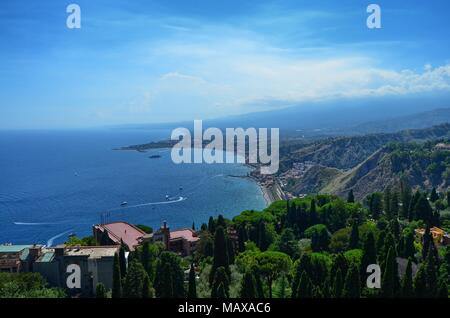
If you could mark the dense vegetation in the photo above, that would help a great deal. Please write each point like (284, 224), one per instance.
(27, 285)
(318, 246)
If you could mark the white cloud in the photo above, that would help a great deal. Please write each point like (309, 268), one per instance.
(232, 76)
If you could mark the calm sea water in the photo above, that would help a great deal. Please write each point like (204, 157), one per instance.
(54, 183)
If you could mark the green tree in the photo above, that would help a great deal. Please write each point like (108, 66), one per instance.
(169, 278)
(287, 243)
(387, 202)
(134, 280)
(390, 275)
(221, 284)
(434, 196)
(409, 249)
(192, 290)
(375, 204)
(394, 206)
(420, 282)
(117, 279)
(406, 196)
(220, 253)
(352, 286)
(407, 288)
(259, 284)
(248, 287)
(423, 210)
(354, 236)
(100, 291)
(305, 286)
(350, 197)
(146, 259)
(338, 285)
(211, 225)
(271, 265)
(147, 290)
(369, 254)
(122, 260)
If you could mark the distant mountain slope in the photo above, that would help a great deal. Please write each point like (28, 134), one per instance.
(414, 121)
(423, 165)
(347, 152)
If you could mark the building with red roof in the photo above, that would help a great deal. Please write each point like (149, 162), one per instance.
(117, 232)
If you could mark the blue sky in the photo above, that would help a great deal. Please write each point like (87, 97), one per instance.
(159, 61)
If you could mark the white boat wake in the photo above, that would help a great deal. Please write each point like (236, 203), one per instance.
(170, 201)
(50, 240)
(40, 223)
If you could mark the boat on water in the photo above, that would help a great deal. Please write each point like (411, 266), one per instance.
(167, 197)
(124, 203)
(155, 156)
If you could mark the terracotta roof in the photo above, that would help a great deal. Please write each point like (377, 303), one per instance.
(124, 231)
(186, 234)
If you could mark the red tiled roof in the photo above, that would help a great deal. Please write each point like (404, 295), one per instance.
(124, 231)
(186, 234)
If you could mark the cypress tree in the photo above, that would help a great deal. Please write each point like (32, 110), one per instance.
(350, 197)
(192, 290)
(134, 280)
(117, 279)
(354, 236)
(369, 255)
(100, 291)
(258, 282)
(431, 276)
(423, 210)
(248, 287)
(122, 260)
(406, 196)
(211, 225)
(352, 286)
(394, 205)
(340, 262)
(387, 202)
(427, 241)
(338, 285)
(434, 196)
(409, 250)
(220, 253)
(242, 238)
(304, 289)
(443, 290)
(169, 278)
(221, 221)
(313, 213)
(407, 289)
(221, 284)
(146, 259)
(263, 241)
(147, 291)
(221, 292)
(420, 282)
(390, 276)
(380, 244)
(375, 205)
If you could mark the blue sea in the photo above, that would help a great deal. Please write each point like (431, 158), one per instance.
(56, 183)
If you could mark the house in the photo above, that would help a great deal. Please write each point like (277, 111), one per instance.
(95, 262)
(181, 241)
(439, 235)
(18, 258)
(117, 232)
